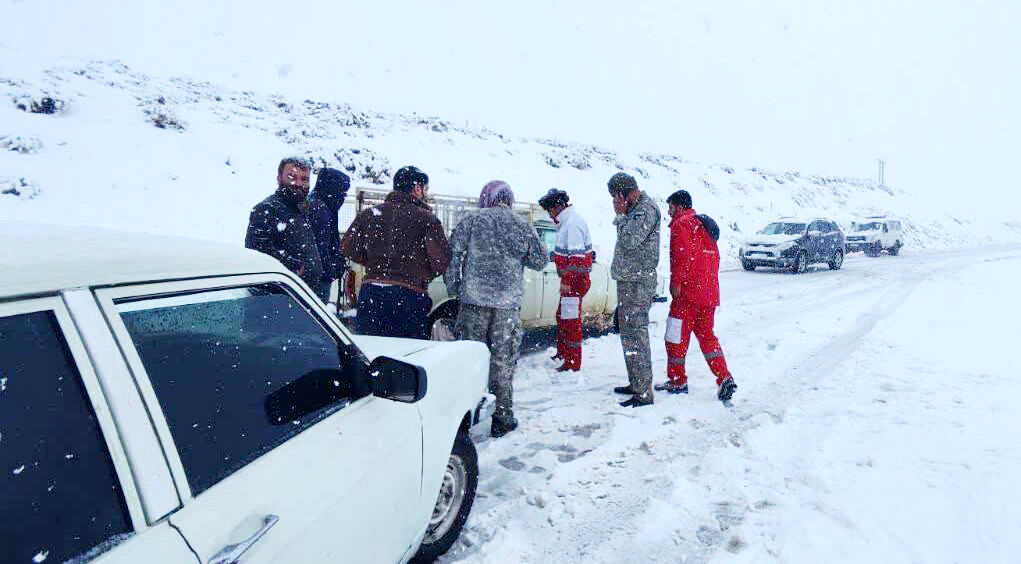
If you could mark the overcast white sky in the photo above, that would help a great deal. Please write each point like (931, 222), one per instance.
(816, 86)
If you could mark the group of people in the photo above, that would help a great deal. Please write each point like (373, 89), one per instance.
(403, 247)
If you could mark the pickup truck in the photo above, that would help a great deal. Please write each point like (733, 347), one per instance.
(168, 400)
(541, 290)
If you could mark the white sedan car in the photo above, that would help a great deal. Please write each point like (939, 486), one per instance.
(167, 400)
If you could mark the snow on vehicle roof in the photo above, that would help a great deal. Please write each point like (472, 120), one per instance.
(39, 258)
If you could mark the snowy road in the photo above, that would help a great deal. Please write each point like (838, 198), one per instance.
(852, 437)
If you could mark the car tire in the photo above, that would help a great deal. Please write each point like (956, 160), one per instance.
(747, 266)
(894, 249)
(800, 264)
(837, 261)
(875, 249)
(454, 502)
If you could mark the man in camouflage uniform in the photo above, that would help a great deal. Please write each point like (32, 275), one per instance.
(634, 268)
(490, 248)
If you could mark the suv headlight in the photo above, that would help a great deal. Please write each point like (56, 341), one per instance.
(785, 246)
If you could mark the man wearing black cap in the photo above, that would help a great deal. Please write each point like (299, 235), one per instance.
(635, 259)
(403, 247)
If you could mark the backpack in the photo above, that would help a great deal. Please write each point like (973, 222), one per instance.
(710, 226)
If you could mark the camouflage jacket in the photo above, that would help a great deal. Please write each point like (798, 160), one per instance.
(490, 248)
(637, 252)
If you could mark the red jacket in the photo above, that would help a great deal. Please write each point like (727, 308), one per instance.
(694, 261)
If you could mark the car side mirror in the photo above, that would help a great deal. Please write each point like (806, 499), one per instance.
(551, 256)
(397, 380)
(309, 393)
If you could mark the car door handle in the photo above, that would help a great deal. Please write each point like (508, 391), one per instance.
(232, 552)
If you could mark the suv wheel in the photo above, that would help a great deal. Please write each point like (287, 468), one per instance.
(801, 264)
(837, 261)
(457, 493)
(875, 249)
(894, 249)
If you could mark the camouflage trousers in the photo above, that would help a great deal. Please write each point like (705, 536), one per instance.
(635, 300)
(500, 330)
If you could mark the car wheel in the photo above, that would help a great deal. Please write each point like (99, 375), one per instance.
(457, 493)
(894, 249)
(875, 249)
(747, 266)
(837, 261)
(801, 264)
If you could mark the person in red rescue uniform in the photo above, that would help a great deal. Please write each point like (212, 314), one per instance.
(695, 288)
(573, 257)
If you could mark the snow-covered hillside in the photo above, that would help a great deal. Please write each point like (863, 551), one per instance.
(177, 156)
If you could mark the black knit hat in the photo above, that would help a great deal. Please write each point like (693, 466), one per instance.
(622, 183)
(407, 177)
(680, 198)
(553, 198)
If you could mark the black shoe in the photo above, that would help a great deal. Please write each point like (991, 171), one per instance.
(501, 427)
(726, 390)
(636, 401)
(564, 368)
(626, 390)
(671, 388)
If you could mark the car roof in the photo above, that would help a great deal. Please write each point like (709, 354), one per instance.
(38, 258)
(799, 219)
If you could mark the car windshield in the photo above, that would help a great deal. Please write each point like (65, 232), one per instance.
(872, 226)
(781, 228)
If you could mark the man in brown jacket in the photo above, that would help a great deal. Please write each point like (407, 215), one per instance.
(402, 246)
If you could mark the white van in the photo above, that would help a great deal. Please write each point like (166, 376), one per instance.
(875, 234)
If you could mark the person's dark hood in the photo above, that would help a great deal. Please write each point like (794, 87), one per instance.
(331, 187)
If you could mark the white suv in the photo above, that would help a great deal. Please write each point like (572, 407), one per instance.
(176, 401)
(874, 235)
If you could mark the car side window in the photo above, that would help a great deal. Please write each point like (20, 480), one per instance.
(815, 226)
(549, 238)
(239, 371)
(59, 490)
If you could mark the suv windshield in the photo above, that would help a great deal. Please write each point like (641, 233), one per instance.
(783, 229)
(873, 226)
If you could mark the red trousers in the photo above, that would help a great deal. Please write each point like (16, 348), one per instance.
(687, 318)
(572, 289)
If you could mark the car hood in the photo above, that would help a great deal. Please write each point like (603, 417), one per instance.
(770, 239)
(392, 346)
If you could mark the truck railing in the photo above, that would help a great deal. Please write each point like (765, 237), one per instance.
(448, 208)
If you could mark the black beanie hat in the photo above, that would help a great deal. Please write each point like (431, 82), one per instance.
(554, 198)
(622, 183)
(408, 177)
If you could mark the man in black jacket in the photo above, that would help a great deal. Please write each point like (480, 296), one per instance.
(279, 226)
(324, 205)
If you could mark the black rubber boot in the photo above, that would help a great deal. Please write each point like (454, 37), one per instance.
(636, 401)
(672, 388)
(726, 390)
(501, 427)
(626, 390)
